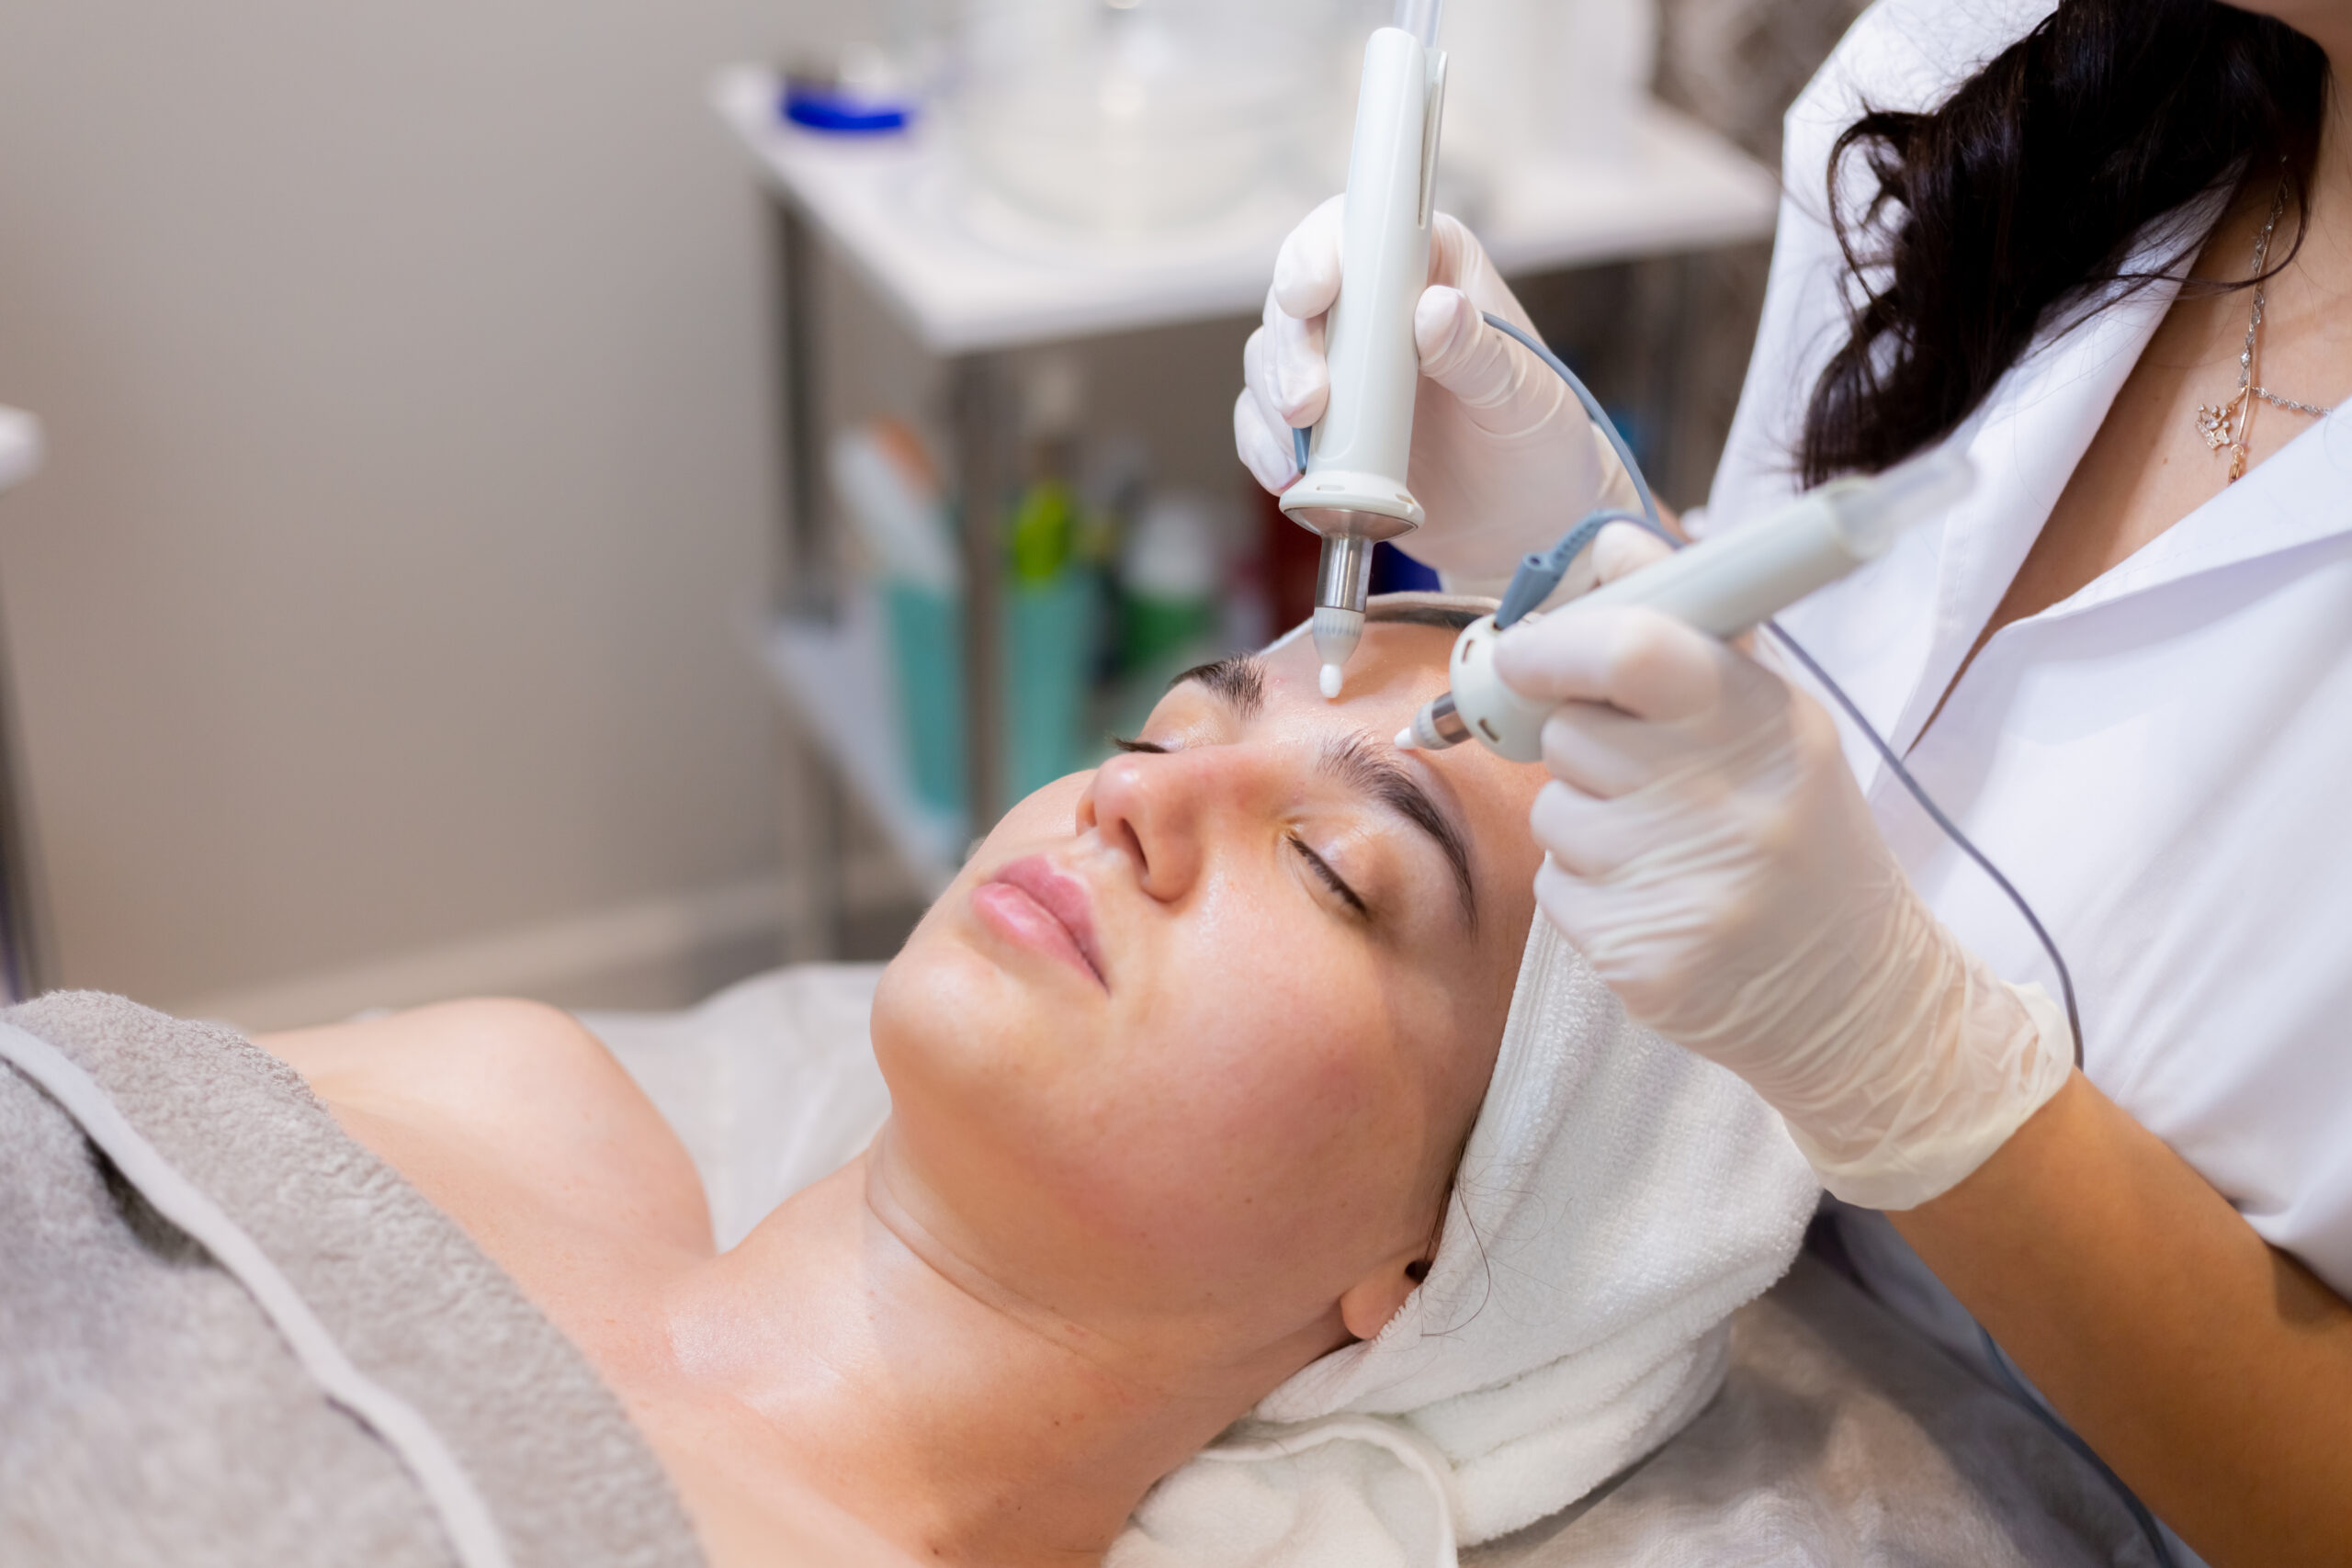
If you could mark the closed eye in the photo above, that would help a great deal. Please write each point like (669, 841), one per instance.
(1317, 863)
(1332, 879)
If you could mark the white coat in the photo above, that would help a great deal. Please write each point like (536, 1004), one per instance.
(2162, 762)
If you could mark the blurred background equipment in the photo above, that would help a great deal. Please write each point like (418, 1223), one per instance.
(435, 426)
(24, 958)
(1094, 171)
(1131, 116)
(863, 91)
(1547, 91)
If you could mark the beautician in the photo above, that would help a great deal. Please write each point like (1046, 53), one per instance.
(2105, 250)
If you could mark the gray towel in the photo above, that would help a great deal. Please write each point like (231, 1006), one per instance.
(151, 1414)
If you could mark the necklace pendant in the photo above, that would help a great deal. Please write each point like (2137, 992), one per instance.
(2213, 423)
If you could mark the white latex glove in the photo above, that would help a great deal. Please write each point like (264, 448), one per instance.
(1710, 854)
(1504, 460)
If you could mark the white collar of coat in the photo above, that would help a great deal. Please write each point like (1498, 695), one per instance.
(2031, 434)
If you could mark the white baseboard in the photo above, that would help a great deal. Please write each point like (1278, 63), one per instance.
(566, 960)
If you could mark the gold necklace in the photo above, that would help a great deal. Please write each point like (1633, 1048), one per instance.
(2225, 424)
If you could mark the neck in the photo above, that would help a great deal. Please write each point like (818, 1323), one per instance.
(2304, 347)
(2331, 28)
(958, 1419)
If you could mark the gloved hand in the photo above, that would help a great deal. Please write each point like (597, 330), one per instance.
(1710, 854)
(1504, 460)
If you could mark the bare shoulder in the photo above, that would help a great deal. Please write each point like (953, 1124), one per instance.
(493, 1062)
(515, 1092)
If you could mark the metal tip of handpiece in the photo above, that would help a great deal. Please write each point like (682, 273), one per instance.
(1337, 630)
(1436, 725)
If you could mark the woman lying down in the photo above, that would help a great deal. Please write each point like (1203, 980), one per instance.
(1227, 1115)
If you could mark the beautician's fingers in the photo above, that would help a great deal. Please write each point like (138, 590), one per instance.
(1271, 461)
(1458, 261)
(1272, 440)
(1621, 942)
(1599, 839)
(1576, 831)
(1307, 269)
(1623, 549)
(1287, 398)
(1262, 377)
(1258, 370)
(1584, 909)
(1641, 661)
(1608, 754)
(1556, 894)
(1506, 390)
(1286, 379)
(1567, 900)
(1292, 372)
(1618, 550)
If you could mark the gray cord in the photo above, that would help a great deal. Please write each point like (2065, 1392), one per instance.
(1601, 420)
(1540, 572)
(1554, 563)
(1557, 559)
(1950, 829)
(2149, 1528)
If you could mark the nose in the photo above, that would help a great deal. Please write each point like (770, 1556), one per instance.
(1163, 810)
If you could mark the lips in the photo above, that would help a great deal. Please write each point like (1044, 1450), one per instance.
(1035, 904)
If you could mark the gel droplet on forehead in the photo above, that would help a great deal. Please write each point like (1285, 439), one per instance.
(1337, 630)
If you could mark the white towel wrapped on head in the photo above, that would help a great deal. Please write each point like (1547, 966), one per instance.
(1619, 1197)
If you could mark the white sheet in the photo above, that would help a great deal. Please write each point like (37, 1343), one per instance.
(1839, 1438)
(771, 1084)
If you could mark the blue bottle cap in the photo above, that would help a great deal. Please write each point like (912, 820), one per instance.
(840, 110)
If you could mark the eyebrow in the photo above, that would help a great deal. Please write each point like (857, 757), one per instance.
(1238, 678)
(1360, 765)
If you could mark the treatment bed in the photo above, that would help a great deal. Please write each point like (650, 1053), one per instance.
(161, 1401)
(1840, 1438)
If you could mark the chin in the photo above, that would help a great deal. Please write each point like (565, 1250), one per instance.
(948, 1014)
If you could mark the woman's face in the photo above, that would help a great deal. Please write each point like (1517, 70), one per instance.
(1204, 1028)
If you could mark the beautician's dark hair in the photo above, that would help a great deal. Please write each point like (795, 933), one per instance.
(2017, 202)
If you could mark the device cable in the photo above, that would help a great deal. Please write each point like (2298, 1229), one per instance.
(1554, 563)
(1542, 572)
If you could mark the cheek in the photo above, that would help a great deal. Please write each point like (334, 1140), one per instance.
(1047, 814)
(1248, 1114)
(943, 1011)
(1257, 1082)
(954, 1032)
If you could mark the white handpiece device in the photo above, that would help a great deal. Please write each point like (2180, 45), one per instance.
(1352, 490)
(1721, 586)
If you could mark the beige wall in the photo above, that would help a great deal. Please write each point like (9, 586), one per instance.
(405, 370)
(406, 366)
